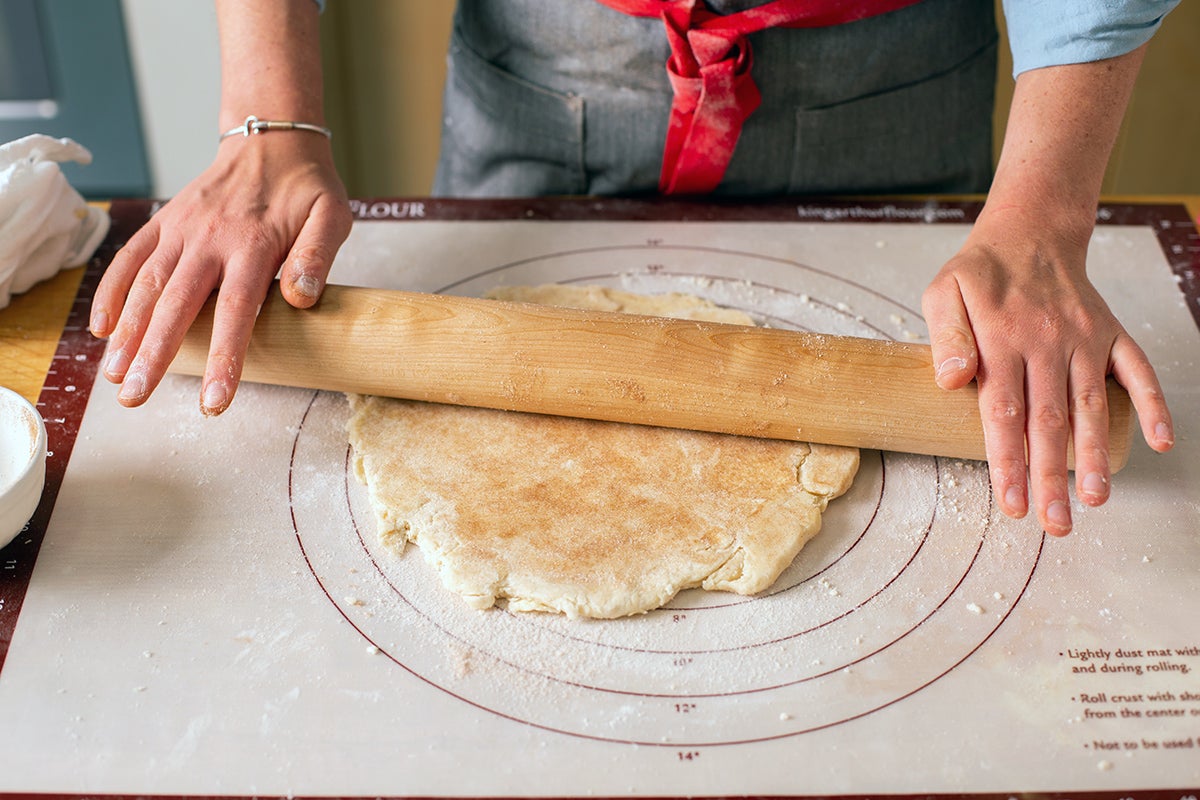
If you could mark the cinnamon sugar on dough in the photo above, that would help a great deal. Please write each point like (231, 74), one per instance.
(592, 519)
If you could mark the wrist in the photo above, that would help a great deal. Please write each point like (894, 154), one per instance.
(268, 156)
(1041, 219)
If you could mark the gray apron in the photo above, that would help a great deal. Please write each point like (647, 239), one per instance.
(569, 97)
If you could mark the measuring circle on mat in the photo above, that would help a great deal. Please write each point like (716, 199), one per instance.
(913, 571)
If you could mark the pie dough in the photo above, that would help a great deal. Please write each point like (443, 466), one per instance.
(592, 519)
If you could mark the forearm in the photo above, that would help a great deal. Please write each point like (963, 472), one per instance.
(1062, 126)
(270, 61)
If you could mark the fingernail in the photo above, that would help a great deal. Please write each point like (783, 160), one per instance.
(214, 399)
(1058, 514)
(1014, 498)
(308, 286)
(1164, 434)
(133, 388)
(950, 365)
(99, 322)
(1094, 484)
(117, 363)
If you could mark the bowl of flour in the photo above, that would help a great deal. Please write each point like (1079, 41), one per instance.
(22, 463)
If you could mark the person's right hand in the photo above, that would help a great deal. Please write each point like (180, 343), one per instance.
(269, 201)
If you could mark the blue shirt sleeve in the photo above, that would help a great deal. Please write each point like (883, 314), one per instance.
(1047, 33)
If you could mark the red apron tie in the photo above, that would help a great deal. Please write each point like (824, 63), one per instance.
(709, 70)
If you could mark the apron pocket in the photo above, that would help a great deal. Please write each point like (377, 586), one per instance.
(504, 136)
(934, 135)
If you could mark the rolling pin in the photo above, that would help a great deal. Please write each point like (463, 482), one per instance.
(708, 376)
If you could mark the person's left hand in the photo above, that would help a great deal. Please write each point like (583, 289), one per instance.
(1015, 311)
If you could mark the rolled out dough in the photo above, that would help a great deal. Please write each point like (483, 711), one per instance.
(592, 519)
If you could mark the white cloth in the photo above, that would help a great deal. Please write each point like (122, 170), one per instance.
(45, 225)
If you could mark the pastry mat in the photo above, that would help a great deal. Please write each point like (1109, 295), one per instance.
(210, 614)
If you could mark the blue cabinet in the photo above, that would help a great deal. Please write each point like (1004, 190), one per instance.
(65, 71)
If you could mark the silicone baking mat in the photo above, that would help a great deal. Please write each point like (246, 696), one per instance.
(201, 608)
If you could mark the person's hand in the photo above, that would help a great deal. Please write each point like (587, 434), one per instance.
(268, 201)
(1015, 311)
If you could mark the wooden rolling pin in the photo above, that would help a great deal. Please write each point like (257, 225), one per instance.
(708, 376)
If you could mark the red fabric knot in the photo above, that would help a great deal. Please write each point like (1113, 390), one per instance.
(709, 70)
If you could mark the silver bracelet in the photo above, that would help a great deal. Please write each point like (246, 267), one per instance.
(254, 125)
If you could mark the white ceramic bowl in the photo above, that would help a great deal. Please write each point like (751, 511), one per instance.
(22, 463)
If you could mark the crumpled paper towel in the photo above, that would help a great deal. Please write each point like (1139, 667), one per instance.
(45, 225)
